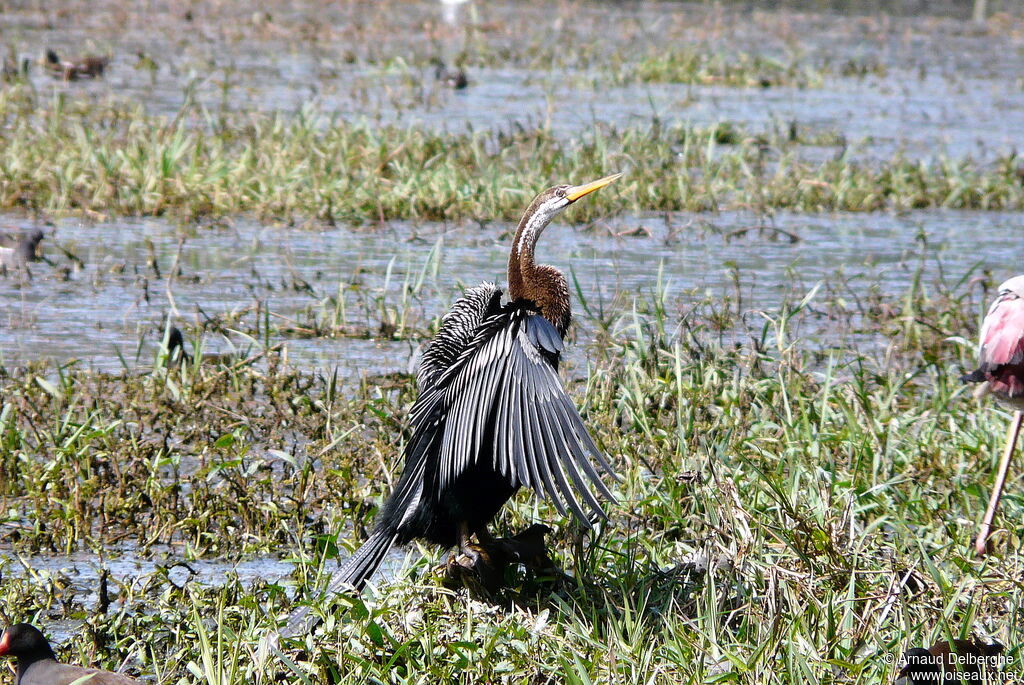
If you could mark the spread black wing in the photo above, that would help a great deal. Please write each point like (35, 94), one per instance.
(489, 389)
(458, 329)
(496, 395)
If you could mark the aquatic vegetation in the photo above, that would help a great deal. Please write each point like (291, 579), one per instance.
(698, 64)
(116, 159)
(706, 67)
(801, 481)
(769, 480)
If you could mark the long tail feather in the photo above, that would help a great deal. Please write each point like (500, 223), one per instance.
(358, 569)
(363, 563)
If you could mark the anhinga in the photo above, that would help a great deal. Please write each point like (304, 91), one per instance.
(492, 415)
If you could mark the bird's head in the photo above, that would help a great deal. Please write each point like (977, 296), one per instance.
(546, 206)
(545, 286)
(23, 639)
(550, 202)
(1014, 286)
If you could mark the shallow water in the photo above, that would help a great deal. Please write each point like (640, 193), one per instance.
(79, 573)
(948, 86)
(876, 116)
(91, 312)
(82, 569)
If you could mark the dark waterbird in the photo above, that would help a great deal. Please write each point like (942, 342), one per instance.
(944, 663)
(453, 78)
(18, 249)
(491, 416)
(90, 66)
(37, 664)
(176, 353)
(174, 344)
(1000, 373)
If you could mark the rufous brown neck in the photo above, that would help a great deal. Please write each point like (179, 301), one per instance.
(543, 285)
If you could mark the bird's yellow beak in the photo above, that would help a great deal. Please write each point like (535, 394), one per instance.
(576, 192)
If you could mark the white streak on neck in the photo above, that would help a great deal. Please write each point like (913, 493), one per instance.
(535, 226)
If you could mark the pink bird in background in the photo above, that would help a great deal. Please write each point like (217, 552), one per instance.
(1000, 373)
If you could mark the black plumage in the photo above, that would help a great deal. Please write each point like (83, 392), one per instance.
(18, 249)
(491, 416)
(492, 421)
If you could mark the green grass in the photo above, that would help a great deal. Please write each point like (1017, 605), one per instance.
(117, 160)
(793, 506)
(790, 510)
(696, 65)
(708, 68)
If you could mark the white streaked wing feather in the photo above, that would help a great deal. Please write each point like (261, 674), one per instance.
(502, 383)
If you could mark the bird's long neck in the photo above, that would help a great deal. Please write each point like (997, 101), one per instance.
(545, 286)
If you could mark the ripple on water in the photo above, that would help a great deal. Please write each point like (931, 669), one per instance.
(116, 297)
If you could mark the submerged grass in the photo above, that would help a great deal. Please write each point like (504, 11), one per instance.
(789, 510)
(696, 64)
(116, 159)
(709, 68)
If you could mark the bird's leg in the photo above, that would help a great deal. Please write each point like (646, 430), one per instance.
(466, 545)
(981, 544)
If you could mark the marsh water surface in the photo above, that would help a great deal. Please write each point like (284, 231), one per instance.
(97, 311)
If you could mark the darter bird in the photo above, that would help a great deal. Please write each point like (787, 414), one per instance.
(492, 415)
(1000, 373)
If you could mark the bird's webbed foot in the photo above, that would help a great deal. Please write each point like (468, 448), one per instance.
(481, 566)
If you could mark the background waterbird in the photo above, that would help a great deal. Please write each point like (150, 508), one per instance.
(1000, 373)
(452, 77)
(89, 66)
(37, 664)
(18, 249)
(492, 415)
